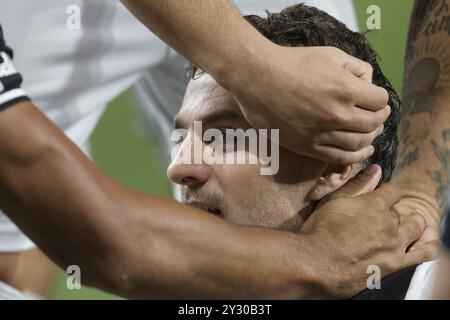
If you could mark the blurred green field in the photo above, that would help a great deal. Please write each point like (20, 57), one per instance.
(121, 149)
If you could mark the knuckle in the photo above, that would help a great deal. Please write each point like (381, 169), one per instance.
(316, 148)
(386, 113)
(332, 136)
(394, 219)
(413, 230)
(340, 159)
(337, 119)
(379, 131)
(426, 255)
(348, 92)
(363, 142)
(373, 125)
(391, 224)
(392, 231)
(368, 67)
(432, 252)
(385, 96)
(379, 205)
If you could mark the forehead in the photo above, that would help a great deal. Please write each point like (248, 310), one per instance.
(205, 96)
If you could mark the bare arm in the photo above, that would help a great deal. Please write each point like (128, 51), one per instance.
(424, 159)
(311, 94)
(142, 246)
(126, 242)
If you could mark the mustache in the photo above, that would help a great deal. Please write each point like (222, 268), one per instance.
(212, 200)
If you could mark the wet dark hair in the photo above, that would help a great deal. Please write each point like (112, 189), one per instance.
(305, 26)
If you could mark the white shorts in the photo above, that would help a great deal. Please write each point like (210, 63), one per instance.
(9, 293)
(71, 75)
(423, 281)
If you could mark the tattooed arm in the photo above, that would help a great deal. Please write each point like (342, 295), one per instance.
(424, 159)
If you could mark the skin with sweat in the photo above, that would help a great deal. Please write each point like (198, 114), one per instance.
(238, 192)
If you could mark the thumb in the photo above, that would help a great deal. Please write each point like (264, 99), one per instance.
(430, 234)
(359, 185)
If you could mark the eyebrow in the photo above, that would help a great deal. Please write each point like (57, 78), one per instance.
(212, 118)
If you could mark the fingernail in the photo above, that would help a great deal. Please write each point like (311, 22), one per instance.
(372, 151)
(372, 170)
(381, 130)
(389, 110)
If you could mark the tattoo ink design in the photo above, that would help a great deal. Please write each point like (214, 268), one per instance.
(428, 59)
(427, 77)
(446, 135)
(423, 90)
(441, 176)
(429, 17)
(408, 159)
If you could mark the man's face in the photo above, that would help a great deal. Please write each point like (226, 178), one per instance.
(238, 192)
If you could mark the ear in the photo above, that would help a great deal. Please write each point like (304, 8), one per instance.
(333, 178)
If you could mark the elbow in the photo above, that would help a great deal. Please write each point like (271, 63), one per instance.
(110, 272)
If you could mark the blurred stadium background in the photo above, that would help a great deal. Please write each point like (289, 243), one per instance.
(121, 147)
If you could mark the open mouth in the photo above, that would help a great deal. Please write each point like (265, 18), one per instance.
(205, 207)
(216, 212)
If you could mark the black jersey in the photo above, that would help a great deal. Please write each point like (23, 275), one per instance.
(446, 239)
(10, 80)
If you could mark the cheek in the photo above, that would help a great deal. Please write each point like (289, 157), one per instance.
(241, 186)
(234, 179)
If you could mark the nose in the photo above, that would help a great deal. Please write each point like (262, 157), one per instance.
(191, 175)
(188, 174)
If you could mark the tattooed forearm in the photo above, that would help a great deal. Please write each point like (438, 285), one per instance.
(441, 176)
(425, 126)
(427, 67)
(423, 89)
(429, 17)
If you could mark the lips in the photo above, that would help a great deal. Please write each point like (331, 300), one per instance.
(214, 211)
(205, 207)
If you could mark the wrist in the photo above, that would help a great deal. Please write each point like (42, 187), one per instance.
(237, 71)
(333, 274)
(418, 196)
(316, 275)
(284, 265)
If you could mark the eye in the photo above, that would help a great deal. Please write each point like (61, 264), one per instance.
(228, 136)
(223, 136)
(229, 139)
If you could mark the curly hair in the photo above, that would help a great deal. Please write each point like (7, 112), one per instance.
(305, 26)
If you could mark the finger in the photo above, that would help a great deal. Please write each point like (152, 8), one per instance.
(396, 214)
(339, 156)
(350, 141)
(369, 97)
(355, 66)
(428, 252)
(364, 121)
(430, 234)
(412, 228)
(361, 184)
(359, 69)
